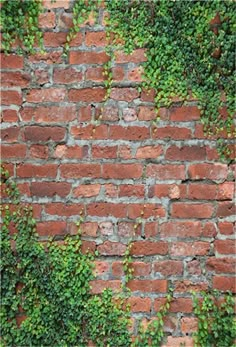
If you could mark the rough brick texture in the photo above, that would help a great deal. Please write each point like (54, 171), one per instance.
(163, 187)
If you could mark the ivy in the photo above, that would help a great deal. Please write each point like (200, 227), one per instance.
(20, 25)
(216, 320)
(187, 56)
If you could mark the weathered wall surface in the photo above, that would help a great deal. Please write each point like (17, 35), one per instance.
(163, 187)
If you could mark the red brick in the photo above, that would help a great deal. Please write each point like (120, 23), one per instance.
(89, 229)
(189, 325)
(11, 61)
(170, 132)
(85, 113)
(87, 95)
(80, 170)
(47, 20)
(208, 171)
(221, 265)
(226, 191)
(135, 74)
(15, 79)
(103, 209)
(95, 74)
(47, 57)
(209, 229)
(155, 286)
(202, 191)
(122, 171)
(106, 228)
(51, 189)
(137, 56)
(173, 191)
(74, 152)
(131, 133)
(39, 151)
(54, 39)
(184, 305)
(129, 114)
(138, 304)
(141, 268)
(49, 114)
(124, 94)
(118, 73)
(87, 190)
(104, 152)
(147, 113)
(51, 228)
(44, 134)
(95, 38)
(127, 229)
(99, 132)
(9, 115)
(143, 248)
(190, 210)
(148, 95)
(101, 268)
(125, 152)
(147, 152)
(185, 153)
(184, 286)
(225, 246)
(10, 134)
(65, 20)
(98, 286)
(111, 190)
(77, 40)
(46, 95)
(151, 229)
(11, 97)
(226, 228)
(60, 209)
(169, 267)
(225, 209)
(131, 190)
(166, 172)
(111, 248)
(145, 211)
(224, 283)
(13, 151)
(185, 249)
(77, 58)
(41, 76)
(184, 114)
(31, 170)
(88, 246)
(67, 75)
(109, 113)
(194, 267)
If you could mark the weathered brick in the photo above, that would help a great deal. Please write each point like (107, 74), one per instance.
(138, 304)
(168, 267)
(11, 61)
(11, 97)
(49, 114)
(51, 228)
(77, 58)
(202, 191)
(9, 115)
(46, 95)
(47, 20)
(166, 172)
(138, 56)
(95, 38)
(185, 153)
(44, 134)
(184, 113)
(103, 209)
(221, 265)
(190, 210)
(104, 152)
(51, 189)
(150, 286)
(87, 94)
(224, 283)
(208, 171)
(90, 132)
(32, 170)
(134, 133)
(225, 209)
(80, 170)
(122, 171)
(15, 79)
(98, 286)
(225, 246)
(145, 210)
(146, 152)
(184, 249)
(54, 39)
(171, 132)
(112, 248)
(73, 152)
(87, 190)
(124, 94)
(39, 151)
(10, 134)
(143, 248)
(67, 75)
(226, 228)
(13, 151)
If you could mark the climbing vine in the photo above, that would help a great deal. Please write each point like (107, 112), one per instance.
(190, 48)
(216, 320)
(19, 21)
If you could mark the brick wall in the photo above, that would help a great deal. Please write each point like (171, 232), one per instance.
(163, 187)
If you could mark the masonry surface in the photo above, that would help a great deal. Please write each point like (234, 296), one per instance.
(161, 186)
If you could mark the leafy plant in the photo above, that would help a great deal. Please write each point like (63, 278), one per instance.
(216, 320)
(20, 25)
(190, 54)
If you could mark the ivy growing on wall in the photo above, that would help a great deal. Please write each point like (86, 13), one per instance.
(190, 48)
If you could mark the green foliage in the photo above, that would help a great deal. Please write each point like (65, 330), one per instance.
(187, 56)
(216, 321)
(81, 11)
(19, 25)
(153, 334)
(50, 285)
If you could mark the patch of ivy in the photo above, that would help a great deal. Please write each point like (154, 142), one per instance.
(190, 51)
(216, 320)
(19, 21)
